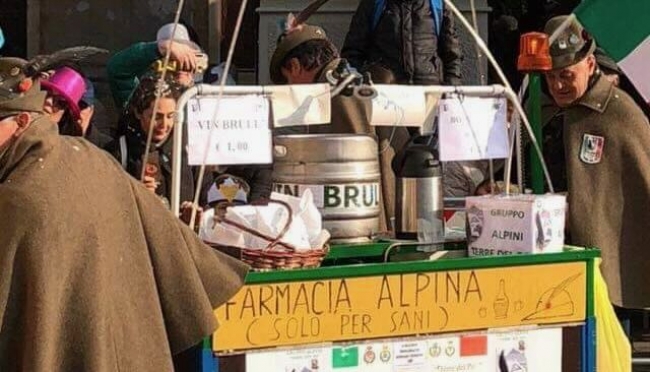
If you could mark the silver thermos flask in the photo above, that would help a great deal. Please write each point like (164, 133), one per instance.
(419, 198)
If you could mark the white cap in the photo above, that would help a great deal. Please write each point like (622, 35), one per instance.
(181, 35)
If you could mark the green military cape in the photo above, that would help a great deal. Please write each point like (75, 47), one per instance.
(95, 274)
(609, 202)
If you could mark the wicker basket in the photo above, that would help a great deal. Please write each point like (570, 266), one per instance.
(276, 255)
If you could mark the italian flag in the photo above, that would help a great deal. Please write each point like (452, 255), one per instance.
(622, 29)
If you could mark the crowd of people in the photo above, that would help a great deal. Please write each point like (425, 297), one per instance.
(93, 267)
(304, 55)
(64, 198)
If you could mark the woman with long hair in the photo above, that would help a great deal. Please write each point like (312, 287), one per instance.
(129, 149)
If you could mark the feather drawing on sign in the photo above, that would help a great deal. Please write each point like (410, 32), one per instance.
(555, 302)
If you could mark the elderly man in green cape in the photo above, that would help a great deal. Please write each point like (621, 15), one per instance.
(95, 275)
(605, 143)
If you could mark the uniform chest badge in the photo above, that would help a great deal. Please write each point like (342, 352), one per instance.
(591, 151)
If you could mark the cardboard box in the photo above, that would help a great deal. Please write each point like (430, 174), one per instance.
(515, 224)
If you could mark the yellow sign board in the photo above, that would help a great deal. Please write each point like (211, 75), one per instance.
(281, 314)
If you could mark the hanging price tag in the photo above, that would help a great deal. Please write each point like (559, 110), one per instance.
(240, 133)
(473, 129)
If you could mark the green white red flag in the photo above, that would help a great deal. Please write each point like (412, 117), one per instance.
(622, 29)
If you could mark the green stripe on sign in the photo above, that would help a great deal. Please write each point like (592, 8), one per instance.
(618, 26)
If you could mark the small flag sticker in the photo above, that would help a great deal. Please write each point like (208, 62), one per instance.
(473, 345)
(345, 357)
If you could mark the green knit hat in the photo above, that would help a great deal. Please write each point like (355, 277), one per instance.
(18, 93)
(288, 42)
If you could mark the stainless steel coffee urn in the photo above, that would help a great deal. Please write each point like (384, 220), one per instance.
(419, 198)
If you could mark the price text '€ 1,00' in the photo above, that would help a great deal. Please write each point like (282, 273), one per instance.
(230, 146)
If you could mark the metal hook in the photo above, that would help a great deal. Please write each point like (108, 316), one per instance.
(329, 75)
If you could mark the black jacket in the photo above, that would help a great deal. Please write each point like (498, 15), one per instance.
(405, 42)
(95, 136)
(134, 141)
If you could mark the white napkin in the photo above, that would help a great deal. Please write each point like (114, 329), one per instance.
(304, 209)
(217, 233)
(271, 219)
(305, 232)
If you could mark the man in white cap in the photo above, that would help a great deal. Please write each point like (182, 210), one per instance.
(126, 66)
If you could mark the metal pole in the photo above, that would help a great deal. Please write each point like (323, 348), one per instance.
(524, 86)
(482, 81)
(535, 113)
(467, 90)
(161, 79)
(215, 29)
(177, 151)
